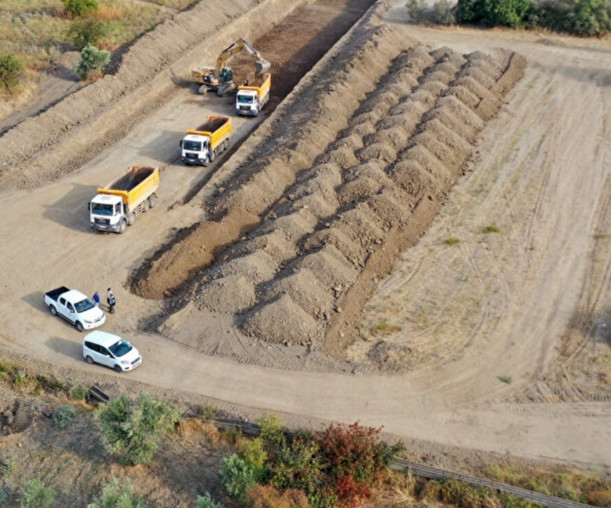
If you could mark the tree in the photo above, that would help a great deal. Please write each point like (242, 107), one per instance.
(11, 70)
(35, 495)
(92, 60)
(132, 429)
(237, 477)
(81, 7)
(493, 12)
(118, 495)
(84, 31)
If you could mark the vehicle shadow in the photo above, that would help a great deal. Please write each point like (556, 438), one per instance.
(36, 300)
(71, 210)
(65, 347)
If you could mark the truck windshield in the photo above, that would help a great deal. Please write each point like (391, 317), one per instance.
(120, 348)
(84, 305)
(195, 146)
(245, 99)
(101, 209)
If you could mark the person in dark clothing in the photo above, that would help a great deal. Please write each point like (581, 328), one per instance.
(111, 300)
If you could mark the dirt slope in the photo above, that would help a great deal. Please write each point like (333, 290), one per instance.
(524, 302)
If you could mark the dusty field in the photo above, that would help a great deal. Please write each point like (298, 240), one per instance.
(415, 238)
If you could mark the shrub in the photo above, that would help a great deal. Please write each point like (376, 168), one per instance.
(493, 12)
(254, 456)
(81, 7)
(79, 391)
(206, 501)
(92, 59)
(417, 10)
(84, 32)
(298, 466)
(237, 477)
(11, 71)
(354, 459)
(579, 17)
(118, 495)
(35, 495)
(132, 429)
(63, 416)
(443, 13)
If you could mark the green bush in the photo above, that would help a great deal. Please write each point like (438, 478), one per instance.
(35, 495)
(237, 477)
(11, 71)
(417, 10)
(579, 17)
(92, 60)
(81, 7)
(116, 495)
(79, 391)
(84, 32)
(443, 13)
(493, 12)
(206, 501)
(63, 416)
(132, 429)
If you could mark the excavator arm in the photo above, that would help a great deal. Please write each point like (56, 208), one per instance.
(261, 65)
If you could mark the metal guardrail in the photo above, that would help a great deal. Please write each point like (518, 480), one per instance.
(433, 473)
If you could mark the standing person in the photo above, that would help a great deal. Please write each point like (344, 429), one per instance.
(111, 300)
(96, 299)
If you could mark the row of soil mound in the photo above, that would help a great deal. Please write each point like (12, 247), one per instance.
(346, 184)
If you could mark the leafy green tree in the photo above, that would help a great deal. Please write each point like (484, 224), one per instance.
(237, 477)
(92, 60)
(118, 495)
(81, 7)
(493, 12)
(206, 501)
(443, 13)
(85, 31)
(132, 429)
(35, 495)
(11, 70)
(580, 17)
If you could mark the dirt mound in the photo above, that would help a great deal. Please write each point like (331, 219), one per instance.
(229, 294)
(347, 196)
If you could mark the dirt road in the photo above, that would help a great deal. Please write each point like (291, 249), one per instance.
(495, 341)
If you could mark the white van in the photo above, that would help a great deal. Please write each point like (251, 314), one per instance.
(110, 350)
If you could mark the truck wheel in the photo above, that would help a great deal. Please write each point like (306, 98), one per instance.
(145, 205)
(205, 162)
(212, 155)
(53, 310)
(152, 200)
(225, 144)
(131, 218)
(122, 227)
(89, 360)
(79, 326)
(118, 368)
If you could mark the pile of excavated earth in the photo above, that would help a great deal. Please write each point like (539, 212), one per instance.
(349, 172)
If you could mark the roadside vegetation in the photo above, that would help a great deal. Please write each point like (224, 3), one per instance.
(141, 452)
(583, 18)
(36, 36)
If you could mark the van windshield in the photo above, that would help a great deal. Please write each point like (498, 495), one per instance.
(120, 348)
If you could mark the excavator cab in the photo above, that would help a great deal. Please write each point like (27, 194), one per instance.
(226, 75)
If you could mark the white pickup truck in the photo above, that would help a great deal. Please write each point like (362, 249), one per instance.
(74, 307)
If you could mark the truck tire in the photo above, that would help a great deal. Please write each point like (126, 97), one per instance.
(145, 205)
(131, 218)
(89, 360)
(79, 326)
(225, 144)
(152, 200)
(212, 155)
(122, 227)
(205, 162)
(118, 368)
(53, 310)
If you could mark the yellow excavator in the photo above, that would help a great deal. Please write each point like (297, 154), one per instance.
(220, 77)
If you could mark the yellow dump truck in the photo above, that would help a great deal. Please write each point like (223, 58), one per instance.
(251, 97)
(117, 205)
(202, 145)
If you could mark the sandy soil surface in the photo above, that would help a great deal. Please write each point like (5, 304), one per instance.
(490, 334)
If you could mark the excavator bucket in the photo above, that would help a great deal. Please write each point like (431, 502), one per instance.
(261, 66)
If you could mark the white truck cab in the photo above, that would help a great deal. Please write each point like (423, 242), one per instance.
(247, 103)
(107, 212)
(195, 149)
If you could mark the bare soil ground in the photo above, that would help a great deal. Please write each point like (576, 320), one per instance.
(415, 237)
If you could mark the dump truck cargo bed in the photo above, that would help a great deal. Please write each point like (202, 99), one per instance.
(135, 186)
